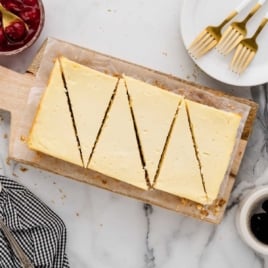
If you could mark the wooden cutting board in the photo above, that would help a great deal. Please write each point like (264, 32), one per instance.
(14, 90)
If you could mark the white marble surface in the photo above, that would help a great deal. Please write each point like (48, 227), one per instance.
(106, 230)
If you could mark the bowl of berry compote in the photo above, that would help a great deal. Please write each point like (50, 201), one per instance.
(23, 32)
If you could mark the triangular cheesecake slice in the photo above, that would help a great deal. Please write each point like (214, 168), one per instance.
(52, 132)
(117, 152)
(153, 110)
(179, 173)
(215, 134)
(90, 92)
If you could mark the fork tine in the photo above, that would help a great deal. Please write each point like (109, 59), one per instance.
(200, 43)
(196, 52)
(238, 37)
(240, 59)
(225, 38)
(248, 61)
(230, 42)
(205, 46)
(235, 57)
(212, 43)
(197, 39)
(243, 59)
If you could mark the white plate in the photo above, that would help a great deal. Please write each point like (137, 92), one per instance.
(197, 14)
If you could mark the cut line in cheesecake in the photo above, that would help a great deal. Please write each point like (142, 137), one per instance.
(215, 133)
(137, 138)
(52, 131)
(166, 143)
(196, 148)
(71, 111)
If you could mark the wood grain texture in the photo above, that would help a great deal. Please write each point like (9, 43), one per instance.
(14, 89)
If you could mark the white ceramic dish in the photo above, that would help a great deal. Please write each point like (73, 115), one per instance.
(197, 14)
(243, 214)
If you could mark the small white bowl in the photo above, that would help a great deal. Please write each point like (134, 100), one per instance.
(244, 212)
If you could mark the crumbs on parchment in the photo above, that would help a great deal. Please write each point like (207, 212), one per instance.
(23, 169)
(23, 138)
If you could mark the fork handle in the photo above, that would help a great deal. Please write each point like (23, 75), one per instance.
(227, 19)
(235, 12)
(261, 26)
(242, 5)
(254, 10)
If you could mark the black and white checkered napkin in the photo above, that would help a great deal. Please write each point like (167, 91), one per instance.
(38, 230)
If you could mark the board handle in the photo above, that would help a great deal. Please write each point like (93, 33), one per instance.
(14, 89)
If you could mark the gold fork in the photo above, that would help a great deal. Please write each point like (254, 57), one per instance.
(246, 50)
(211, 35)
(236, 31)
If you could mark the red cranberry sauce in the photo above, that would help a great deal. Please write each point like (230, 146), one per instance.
(16, 35)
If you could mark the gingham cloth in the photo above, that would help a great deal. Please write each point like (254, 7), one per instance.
(37, 229)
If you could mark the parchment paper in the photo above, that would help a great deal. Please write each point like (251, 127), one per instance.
(110, 65)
